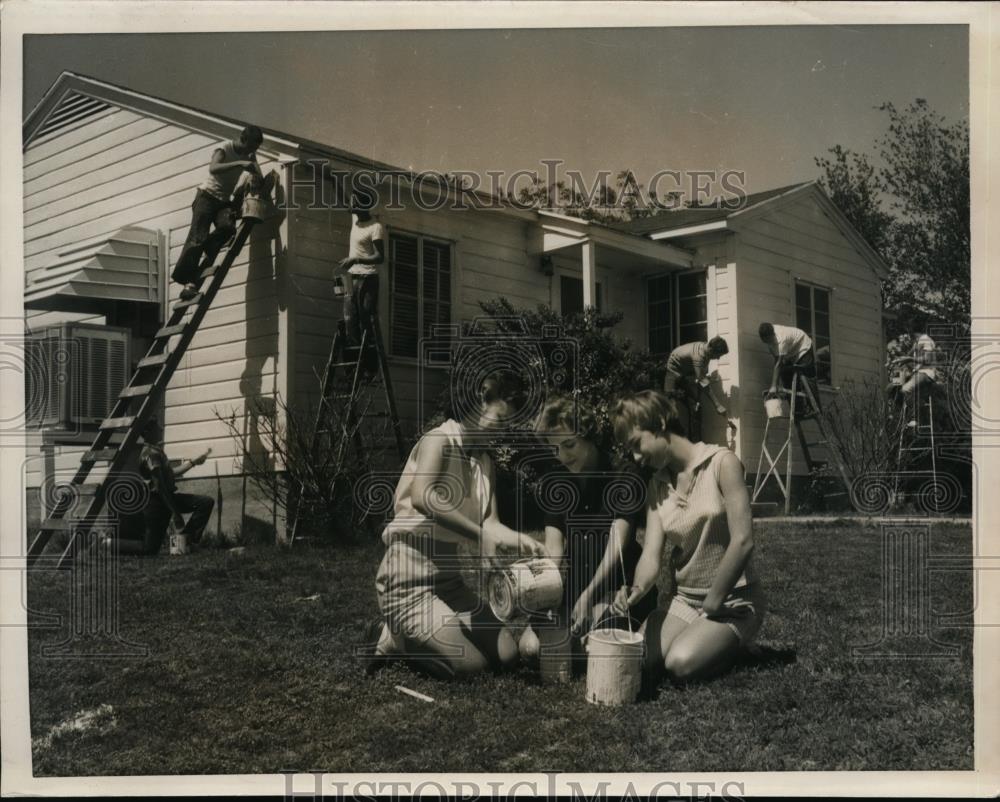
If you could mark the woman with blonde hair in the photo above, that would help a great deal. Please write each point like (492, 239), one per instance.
(697, 502)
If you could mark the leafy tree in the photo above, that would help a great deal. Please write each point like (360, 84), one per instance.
(914, 210)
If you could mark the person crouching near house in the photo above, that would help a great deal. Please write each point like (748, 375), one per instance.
(213, 206)
(696, 502)
(792, 350)
(687, 377)
(595, 540)
(445, 500)
(166, 506)
(366, 252)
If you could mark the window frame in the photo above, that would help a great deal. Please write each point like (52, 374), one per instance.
(674, 302)
(385, 307)
(812, 286)
(561, 273)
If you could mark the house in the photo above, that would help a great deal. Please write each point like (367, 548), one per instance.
(109, 176)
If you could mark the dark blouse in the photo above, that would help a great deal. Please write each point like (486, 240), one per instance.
(583, 507)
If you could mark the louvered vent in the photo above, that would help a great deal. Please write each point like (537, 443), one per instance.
(75, 373)
(74, 108)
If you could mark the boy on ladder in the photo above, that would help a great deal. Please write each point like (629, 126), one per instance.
(792, 350)
(366, 253)
(213, 206)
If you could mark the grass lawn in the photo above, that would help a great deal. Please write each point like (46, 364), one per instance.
(245, 674)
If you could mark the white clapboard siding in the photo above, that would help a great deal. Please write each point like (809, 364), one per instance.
(123, 169)
(489, 259)
(799, 242)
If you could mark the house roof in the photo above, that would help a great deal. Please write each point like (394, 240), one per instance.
(698, 215)
(683, 222)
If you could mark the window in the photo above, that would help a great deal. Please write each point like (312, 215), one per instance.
(420, 290)
(812, 315)
(677, 309)
(571, 295)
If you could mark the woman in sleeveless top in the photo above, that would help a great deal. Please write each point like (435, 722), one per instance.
(697, 502)
(444, 504)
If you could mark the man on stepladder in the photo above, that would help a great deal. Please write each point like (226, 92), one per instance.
(792, 350)
(687, 377)
(213, 206)
(922, 375)
(366, 252)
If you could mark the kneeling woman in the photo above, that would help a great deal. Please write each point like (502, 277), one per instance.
(604, 497)
(698, 503)
(444, 500)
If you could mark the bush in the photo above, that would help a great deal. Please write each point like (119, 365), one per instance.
(536, 343)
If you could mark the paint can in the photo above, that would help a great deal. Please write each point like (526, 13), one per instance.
(178, 544)
(524, 587)
(776, 407)
(257, 208)
(614, 666)
(555, 655)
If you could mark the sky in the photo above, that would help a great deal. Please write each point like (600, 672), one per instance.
(762, 100)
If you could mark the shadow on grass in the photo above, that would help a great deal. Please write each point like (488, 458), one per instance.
(756, 658)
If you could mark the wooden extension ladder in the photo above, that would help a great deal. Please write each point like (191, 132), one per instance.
(135, 405)
(800, 386)
(350, 359)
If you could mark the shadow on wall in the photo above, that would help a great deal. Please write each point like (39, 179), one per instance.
(714, 428)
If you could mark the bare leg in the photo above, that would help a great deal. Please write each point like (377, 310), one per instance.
(660, 630)
(703, 649)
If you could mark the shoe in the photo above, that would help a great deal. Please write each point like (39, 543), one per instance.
(911, 425)
(189, 291)
(371, 661)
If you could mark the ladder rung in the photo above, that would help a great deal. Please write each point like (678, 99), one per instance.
(170, 331)
(101, 454)
(118, 423)
(132, 392)
(344, 364)
(208, 272)
(153, 361)
(189, 302)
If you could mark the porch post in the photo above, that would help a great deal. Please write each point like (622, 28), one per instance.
(589, 262)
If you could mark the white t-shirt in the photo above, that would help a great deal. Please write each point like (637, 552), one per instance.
(923, 354)
(362, 244)
(790, 342)
(223, 185)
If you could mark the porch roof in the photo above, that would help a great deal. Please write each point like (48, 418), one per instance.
(559, 231)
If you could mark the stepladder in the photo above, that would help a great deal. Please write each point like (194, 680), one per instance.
(348, 398)
(118, 435)
(916, 439)
(797, 405)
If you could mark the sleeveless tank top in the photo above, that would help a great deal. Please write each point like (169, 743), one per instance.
(465, 484)
(694, 521)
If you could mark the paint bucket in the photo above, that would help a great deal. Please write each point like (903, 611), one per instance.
(776, 407)
(524, 587)
(257, 208)
(178, 544)
(614, 666)
(338, 287)
(555, 655)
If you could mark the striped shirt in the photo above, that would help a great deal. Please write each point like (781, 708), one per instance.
(465, 484)
(694, 522)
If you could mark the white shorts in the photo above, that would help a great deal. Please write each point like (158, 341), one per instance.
(745, 610)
